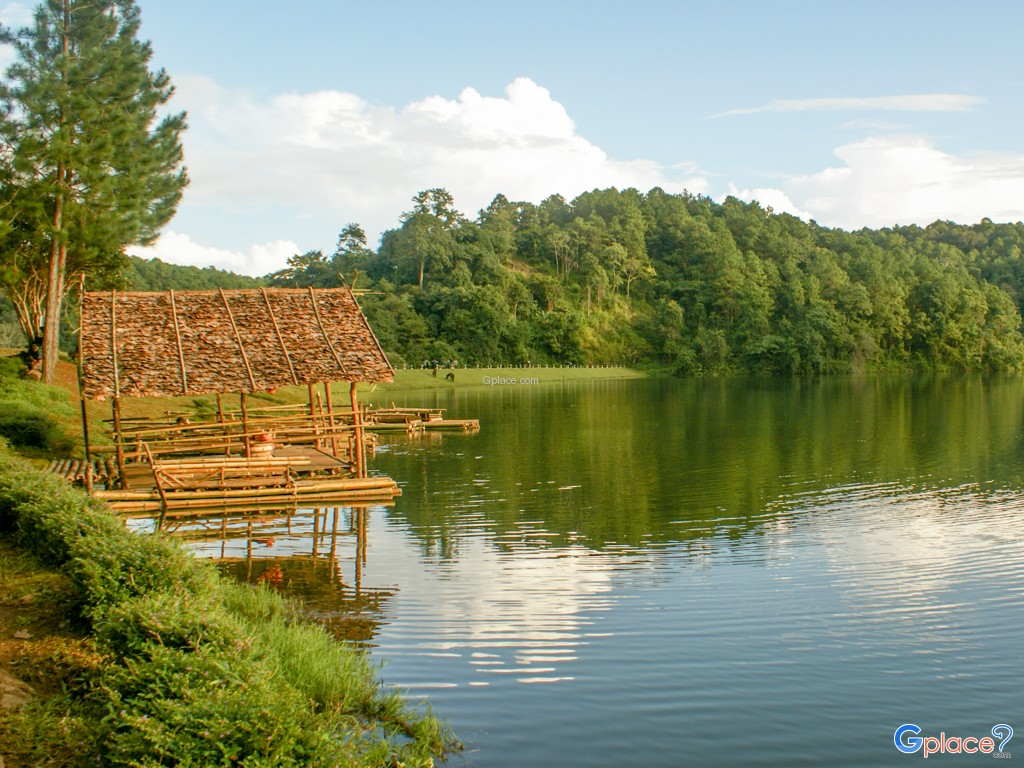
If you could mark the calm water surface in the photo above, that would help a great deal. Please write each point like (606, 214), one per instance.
(678, 573)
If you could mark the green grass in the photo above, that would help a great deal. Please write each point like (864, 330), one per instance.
(197, 670)
(410, 380)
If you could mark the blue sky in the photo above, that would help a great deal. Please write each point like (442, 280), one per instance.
(309, 115)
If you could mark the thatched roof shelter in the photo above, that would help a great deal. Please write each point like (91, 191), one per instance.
(199, 342)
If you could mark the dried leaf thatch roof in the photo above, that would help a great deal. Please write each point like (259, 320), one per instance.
(195, 342)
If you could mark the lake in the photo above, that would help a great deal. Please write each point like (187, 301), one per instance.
(665, 573)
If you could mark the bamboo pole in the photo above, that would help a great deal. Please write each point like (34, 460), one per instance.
(177, 338)
(128, 509)
(81, 384)
(160, 490)
(312, 406)
(238, 339)
(280, 338)
(326, 335)
(330, 417)
(245, 425)
(115, 405)
(357, 445)
(137, 510)
(342, 485)
(321, 421)
(113, 342)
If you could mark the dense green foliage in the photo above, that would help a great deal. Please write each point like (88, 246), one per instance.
(681, 283)
(198, 671)
(92, 160)
(156, 275)
(29, 411)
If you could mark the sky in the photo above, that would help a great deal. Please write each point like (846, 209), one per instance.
(309, 115)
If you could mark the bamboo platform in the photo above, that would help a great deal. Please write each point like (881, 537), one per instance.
(85, 473)
(311, 492)
(416, 419)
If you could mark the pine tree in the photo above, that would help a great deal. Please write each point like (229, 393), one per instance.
(92, 167)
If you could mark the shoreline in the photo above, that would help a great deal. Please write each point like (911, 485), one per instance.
(423, 379)
(93, 610)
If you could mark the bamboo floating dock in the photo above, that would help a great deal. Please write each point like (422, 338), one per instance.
(418, 419)
(189, 343)
(381, 490)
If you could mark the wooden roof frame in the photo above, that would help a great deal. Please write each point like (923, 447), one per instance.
(141, 344)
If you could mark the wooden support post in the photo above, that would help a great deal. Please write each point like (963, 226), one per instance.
(159, 488)
(357, 428)
(321, 423)
(312, 412)
(85, 433)
(115, 405)
(81, 388)
(116, 401)
(223, 425)
(245, 426)
(330, 418)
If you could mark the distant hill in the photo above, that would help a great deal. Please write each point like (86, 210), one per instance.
(156, 275)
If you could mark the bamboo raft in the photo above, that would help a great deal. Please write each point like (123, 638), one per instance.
(85, 473)
(310, 492)
(415, 419)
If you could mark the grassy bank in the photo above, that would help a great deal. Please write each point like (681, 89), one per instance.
(411, 380)
(149, 658)
(60, 403)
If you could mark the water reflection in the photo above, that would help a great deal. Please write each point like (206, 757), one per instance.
(662, 461)
(318, 555)
(713, 570)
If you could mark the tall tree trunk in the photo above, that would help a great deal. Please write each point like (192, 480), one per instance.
(29, 300)
(54, 289)
(59, 249)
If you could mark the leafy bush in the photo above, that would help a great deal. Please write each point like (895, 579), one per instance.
(209, 709)
(53, 400)
(27, 426)
(11, 367)
(182, 622)
(204, 672)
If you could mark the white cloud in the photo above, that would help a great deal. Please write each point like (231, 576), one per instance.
(907, 180)
(317, 161)
(297, 167)
(923, 102)
(770, 197)
(14, 16)
(260, 259)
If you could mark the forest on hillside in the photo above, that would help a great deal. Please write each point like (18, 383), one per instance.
(679, 283)
(670, 282)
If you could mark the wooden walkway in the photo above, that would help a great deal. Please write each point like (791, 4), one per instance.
(189, 485)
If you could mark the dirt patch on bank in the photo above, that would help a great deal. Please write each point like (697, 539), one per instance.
(41, 643)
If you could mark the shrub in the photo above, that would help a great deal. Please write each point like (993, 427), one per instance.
(11, 367)
(182, 622)
(204, 672)
(53, 400)
(26, 426)
(209, 709)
